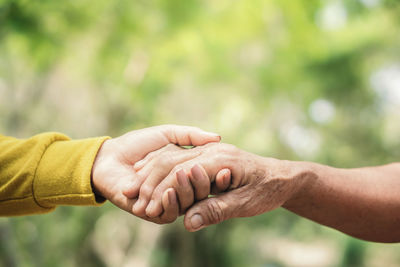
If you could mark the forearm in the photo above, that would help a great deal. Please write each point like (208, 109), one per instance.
(364, 202)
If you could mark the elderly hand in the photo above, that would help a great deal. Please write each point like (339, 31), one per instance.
(113, 168)
(258, 184)
(190, 185)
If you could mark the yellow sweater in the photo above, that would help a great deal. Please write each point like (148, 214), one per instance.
(44, 171)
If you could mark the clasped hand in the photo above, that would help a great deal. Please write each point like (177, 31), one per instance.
(149, 174)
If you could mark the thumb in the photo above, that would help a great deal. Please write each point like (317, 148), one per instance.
(188, 136)
(137, 144)
(212, 210)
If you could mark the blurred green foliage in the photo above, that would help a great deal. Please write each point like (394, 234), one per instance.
(301, 80)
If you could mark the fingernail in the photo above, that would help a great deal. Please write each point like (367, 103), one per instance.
(137, 205)
(213, 134)
(182, 179)
(150, 207)
(196, 221)
(227, 178)
(197, 172)
(171, 196)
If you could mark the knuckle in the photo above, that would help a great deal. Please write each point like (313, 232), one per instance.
(170, 147)
(161, 162)
(215, 212)
(150, 155)
(166, 160)
(228, 148)
(228, 153)
(157, 193)
(146, 190)
(169, 127)
(176, 169)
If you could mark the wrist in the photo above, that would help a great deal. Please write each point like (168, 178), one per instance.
(98, 169)
(303, 176)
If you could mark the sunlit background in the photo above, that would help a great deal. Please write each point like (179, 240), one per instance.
(300, 80)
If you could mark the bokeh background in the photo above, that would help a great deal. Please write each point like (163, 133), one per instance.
(301, 80)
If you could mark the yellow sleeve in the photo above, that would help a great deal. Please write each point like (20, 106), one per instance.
(45, 171)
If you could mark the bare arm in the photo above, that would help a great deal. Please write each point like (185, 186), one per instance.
(363, 202)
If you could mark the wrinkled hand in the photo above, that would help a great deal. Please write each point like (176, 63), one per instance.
(113, 168)
(190, 185)
(257, 184)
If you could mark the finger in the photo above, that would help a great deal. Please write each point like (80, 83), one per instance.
(213, 210)
(170, 206)
(188, 136)
(200, 182)
(137, 144)
(123, 203)
(162, 169)
(223, 180)
(171, 179)
(156, 158)
(147, 169)
(132, 189)
(156, 198)
(146, 191)
(152, 155)
(184, 190)
(169, 202)
(141, 163)
(166, 159)
(178, 180)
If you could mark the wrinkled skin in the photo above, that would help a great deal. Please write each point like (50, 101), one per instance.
(191, 184)
(257, 184)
